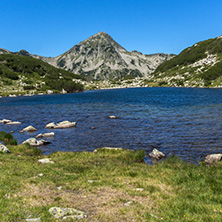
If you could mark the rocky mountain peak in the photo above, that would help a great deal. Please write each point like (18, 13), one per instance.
(101, 57)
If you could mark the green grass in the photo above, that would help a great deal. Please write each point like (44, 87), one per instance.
(101, 183)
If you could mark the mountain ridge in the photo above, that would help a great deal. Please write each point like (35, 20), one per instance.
(100, 57)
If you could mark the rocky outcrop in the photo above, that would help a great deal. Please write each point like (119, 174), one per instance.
(156, 155)
(213, 158)
(4, 149)
(52, 134)
(35, 142)
(60, 125)
(29, 129)
(100, 57)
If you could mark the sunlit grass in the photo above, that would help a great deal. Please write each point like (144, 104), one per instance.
(108, 186)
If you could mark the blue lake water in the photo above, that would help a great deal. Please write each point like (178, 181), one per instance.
(186, 122)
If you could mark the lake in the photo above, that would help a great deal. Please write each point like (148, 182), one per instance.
(186, 122)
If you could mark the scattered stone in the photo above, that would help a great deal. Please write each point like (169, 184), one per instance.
(46, 160)
(213, 158)
(128, 203)
(139, 189)
(66, 213)
(12, 131)
(40, 174)
(33, 220)
(12, 95)
(59, 188)
(29, 129)
(35, 142)
(49, 92)
(60, 125)
(50, 126)
(4, 149)
(63, 91)
(74, 217)
(156, 155)
(52, 134)
(93, 127)
(5, 121)
(14, 123)
(90, 181)
(107, 148)
(113, 117)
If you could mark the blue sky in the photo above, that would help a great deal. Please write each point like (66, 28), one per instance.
(51, 27)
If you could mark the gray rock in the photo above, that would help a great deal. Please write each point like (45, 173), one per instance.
(213, 158)
(75, 217)
(113, 117)
(46, 160)
(52, 134)
(29, 129)
(66, 213)
(35, 142)
(4, 149)
(60, 125)
(5, 121)
(13, 123)
(50, 125)
(33, 220)
(156, 155)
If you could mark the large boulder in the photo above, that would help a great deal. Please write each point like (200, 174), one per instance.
(4, 149)
(60, 125)
(156, 155)
(52, 134)
(213, 158)
(35, 142)
(29, 129)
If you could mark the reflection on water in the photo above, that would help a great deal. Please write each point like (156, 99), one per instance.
(184, 122)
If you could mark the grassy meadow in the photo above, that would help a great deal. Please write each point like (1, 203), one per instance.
(108, 185)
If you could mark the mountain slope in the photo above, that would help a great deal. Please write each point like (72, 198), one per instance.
(27, 75)
(199, 65)
(100, 57)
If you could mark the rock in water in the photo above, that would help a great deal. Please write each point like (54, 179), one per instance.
(35, 142)
(213, 158)
(5, 121)
(29, 129)
(4, 149)
(60, 125)
(113, 117)
(66, 213)
(52, 134)
(50, 126)
(13, 123)
(156, 155)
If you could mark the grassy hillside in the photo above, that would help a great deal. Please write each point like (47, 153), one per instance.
(199, 65)
(23, 74)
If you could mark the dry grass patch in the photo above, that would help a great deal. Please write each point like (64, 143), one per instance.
(101, 203)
